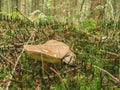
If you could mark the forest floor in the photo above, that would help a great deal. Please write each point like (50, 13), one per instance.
(97, 49)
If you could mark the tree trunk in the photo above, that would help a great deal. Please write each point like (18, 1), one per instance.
(35, 5)
(0, 5)
(92, 9)
(53, 10)
(97, 13)
(15, 4)
(116, 6)
(101, 11)
(23, 6)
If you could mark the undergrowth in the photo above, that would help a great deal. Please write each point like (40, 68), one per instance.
(91, 41)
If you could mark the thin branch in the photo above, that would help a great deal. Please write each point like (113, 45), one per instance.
(56, 73)
(82, 5)
(59, 76)
(110, 53)
(22, 14)
(45, 34)
(65, 72)
(114, 79)
(16, 63)
(6, 59)
(31, 21)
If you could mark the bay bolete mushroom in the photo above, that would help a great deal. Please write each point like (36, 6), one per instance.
(52, 51)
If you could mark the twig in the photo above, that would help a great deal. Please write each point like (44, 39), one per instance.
(31, 21)
(67, 71)
(109, 74)
(16, 63)
(82, 5)
(29, 71)
(7, 46)
(56, 73)
(22, 14)
(45, 34)
(6, 59)
(16, 81)
(11, 46)
(59, 76)
(110, 53)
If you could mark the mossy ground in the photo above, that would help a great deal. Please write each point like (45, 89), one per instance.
(91, 41)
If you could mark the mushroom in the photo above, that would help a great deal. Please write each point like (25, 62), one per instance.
(52, 51)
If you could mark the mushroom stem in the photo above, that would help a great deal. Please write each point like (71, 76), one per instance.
(46, 66)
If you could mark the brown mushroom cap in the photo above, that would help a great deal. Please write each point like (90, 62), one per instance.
(52, 51)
